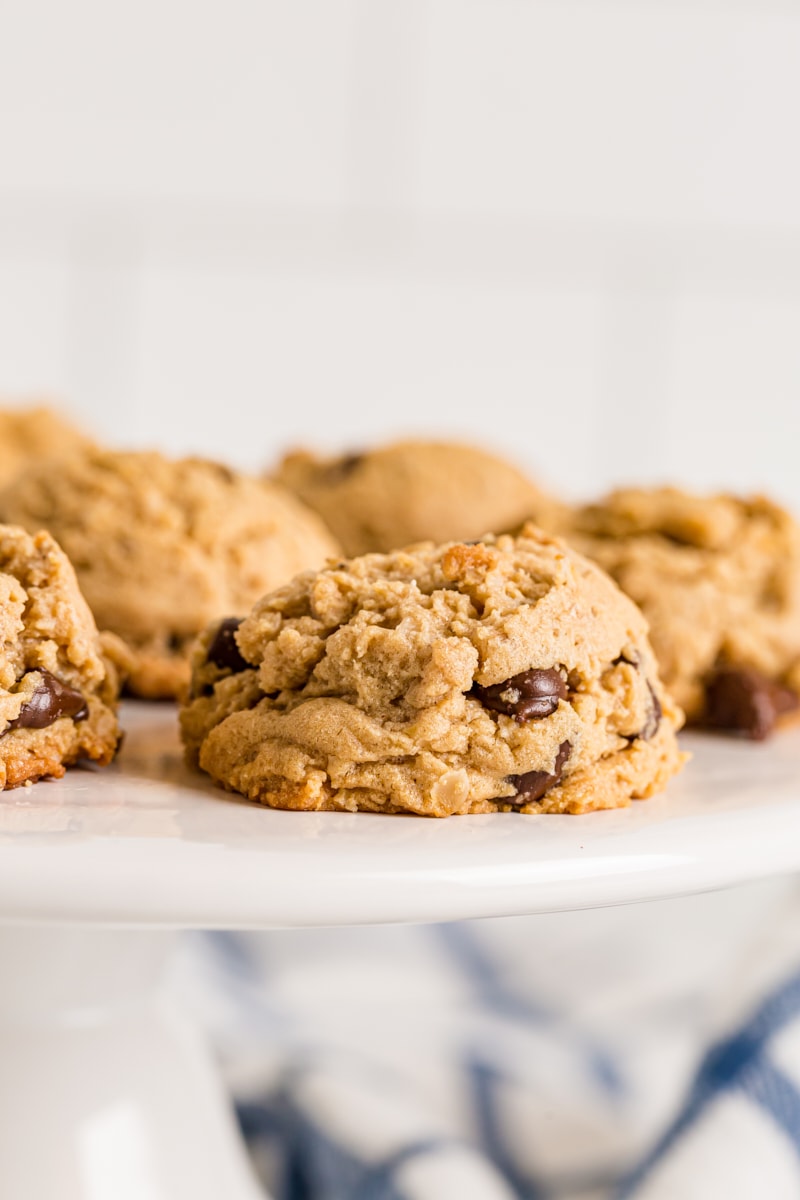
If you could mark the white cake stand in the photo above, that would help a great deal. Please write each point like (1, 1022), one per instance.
(105, 1094)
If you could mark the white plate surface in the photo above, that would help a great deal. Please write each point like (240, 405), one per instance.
(145, 842)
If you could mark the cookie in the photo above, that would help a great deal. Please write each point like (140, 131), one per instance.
(29, 434)
(510, 675)
(718, 579)
(161, 547)
(58, 689)
(412, 491)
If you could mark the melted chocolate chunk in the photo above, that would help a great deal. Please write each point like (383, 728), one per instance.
(51, 700)
(534, 784)
(741, 700)
(785, 699)
(223, 651)
(528, 696)
(654, 716)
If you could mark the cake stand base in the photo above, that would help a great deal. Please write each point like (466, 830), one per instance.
(105, 1092)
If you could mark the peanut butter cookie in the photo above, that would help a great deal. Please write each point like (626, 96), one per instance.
(718, 579)
(29, 434)
(410, 492)
(58, 689)
(510, 675)
(161, 547)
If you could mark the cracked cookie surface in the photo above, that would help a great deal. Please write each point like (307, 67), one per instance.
(412, 491)
(162, 546)
(718, 579)
(58, 688)
(507, 675)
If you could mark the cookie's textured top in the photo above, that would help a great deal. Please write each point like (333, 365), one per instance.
(509, 674)
(161, 546)
(29, 434)
(57, 687)
(718, 579)
(410, 492)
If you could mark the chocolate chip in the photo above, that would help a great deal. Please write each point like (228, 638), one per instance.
(785, 699)
(534, 784)
(51, 700)
(654, 709)
(223, 651)
(342, 468)
(743, 701)
(528, 696)
(653, 719)
(654, 715)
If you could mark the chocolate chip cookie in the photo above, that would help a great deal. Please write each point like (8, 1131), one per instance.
(718, 579)
(58, 688)
(410, 492)
(29, 434)
(161, 547)
(509, 675)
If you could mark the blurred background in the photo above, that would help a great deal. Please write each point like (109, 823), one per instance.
(568, 229)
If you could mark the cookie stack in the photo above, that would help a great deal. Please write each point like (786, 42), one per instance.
(347, 635)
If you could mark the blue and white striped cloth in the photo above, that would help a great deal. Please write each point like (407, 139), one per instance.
(649, 1053)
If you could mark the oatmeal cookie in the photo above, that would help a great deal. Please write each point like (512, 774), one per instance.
(411, 492)
(508, 675)
(58, 688)
(718, 579)
(161, 546)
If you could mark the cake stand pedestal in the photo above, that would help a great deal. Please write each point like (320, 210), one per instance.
(105, 1091)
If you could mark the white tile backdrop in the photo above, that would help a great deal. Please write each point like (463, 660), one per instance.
(570, 228)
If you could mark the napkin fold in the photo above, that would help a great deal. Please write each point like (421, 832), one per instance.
(646, 1053)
